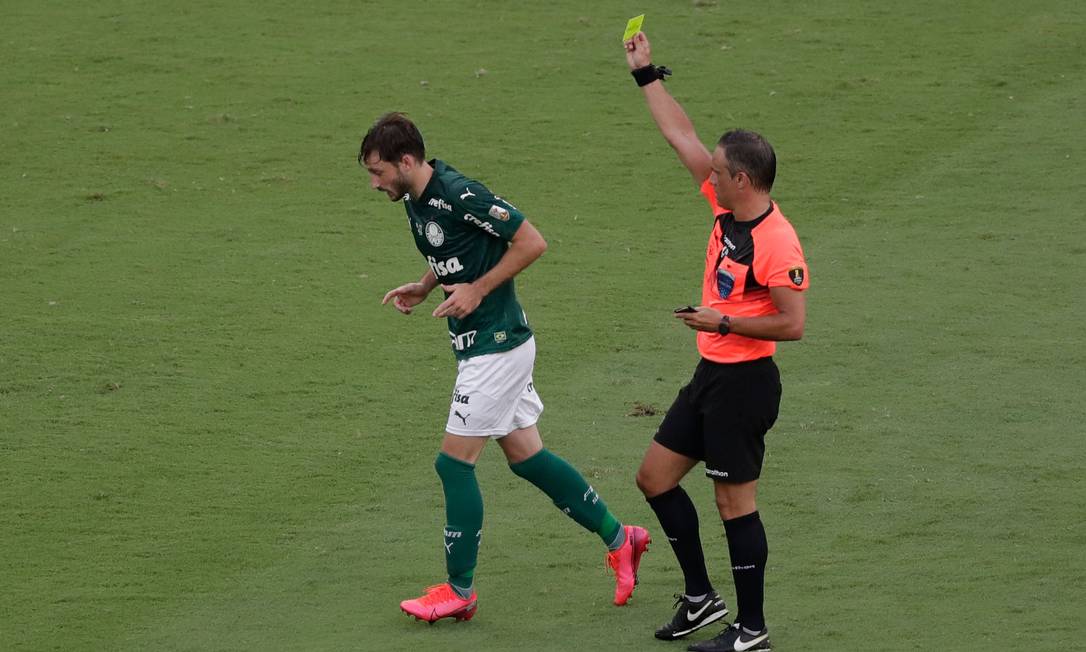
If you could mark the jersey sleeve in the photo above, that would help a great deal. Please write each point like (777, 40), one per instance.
(778, 259)
(480, 208)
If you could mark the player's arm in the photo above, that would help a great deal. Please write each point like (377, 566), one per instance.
(410, 295)
(526, 246)
(784, 325)
(669, 115)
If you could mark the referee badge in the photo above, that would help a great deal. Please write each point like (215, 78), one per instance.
(725, 282)
(796, 274)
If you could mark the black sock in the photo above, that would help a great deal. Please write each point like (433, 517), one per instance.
(679, 519)
(749, 550)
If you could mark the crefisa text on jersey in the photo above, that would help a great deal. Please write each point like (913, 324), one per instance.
(445, 267)
(440, 203)
(481, 224)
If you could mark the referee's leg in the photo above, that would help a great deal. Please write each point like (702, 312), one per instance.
(658, 479)
(747, 548)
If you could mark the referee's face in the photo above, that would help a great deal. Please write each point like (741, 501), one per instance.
(721, 179)
(387, 177)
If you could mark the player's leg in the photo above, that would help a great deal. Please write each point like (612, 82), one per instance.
(523, 448)
(456, 598)
(748, 399)
(572, 494)
(455, 466)
(564, 485)
(676, 448)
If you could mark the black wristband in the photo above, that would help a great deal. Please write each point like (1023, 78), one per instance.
(725, 325)
(650, 73)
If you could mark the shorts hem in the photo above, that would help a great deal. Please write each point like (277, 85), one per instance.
(671, 446)
(523, 427)
(716, 476)
(492, 432)
(488, 432)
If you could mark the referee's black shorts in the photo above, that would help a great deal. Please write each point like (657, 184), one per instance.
(721, 417)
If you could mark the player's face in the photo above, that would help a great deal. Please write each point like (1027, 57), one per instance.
(386, 177)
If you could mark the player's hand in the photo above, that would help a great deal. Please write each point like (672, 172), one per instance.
(638, 54)
(406, 296)
(463, 299)
(703, 319)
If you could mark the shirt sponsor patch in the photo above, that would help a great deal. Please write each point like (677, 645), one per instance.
(440, 203)
(796, 274)
(443, 268)
(499, 213)
(499, 337)
(481, 224)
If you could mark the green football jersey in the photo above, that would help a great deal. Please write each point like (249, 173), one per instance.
(463, 230)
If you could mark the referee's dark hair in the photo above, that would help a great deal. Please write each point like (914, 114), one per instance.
(749, 152)
(392, 136)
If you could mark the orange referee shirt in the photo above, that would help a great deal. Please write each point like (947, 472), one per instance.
(744, 260)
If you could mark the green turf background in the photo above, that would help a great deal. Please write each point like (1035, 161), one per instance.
(213, 437)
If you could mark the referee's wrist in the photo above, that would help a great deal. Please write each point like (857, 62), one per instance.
(647, 74)
(725, 325)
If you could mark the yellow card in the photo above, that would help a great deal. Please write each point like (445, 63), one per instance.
(633, 26)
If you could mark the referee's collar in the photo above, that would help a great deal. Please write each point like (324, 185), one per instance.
(750, 224)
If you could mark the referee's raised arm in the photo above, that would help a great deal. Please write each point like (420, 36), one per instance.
(669, 116)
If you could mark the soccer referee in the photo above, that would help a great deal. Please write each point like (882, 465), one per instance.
(752, 297)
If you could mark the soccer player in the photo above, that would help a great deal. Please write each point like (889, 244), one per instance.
(752, 296)
(474, 243)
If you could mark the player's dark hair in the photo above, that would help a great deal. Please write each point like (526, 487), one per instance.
(392, 136)
(749, 152)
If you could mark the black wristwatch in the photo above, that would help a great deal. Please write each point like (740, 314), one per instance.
(725, 325)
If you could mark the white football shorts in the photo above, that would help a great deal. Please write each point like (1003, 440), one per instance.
(494, 394)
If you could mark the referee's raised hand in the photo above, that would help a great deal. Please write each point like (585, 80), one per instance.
(638, 54)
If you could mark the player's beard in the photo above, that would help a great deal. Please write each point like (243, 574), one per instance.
(399, 187)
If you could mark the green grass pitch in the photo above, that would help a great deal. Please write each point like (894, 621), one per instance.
(213, 437)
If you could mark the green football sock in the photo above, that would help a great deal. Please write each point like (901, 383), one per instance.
(464, 520)
(570, 493)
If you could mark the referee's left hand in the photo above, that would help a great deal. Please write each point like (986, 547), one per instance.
(703, 319)
(638, 52)
(463, 299)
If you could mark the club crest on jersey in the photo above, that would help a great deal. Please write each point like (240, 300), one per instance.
(498, 213)
(796, 274)
(434, 234)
